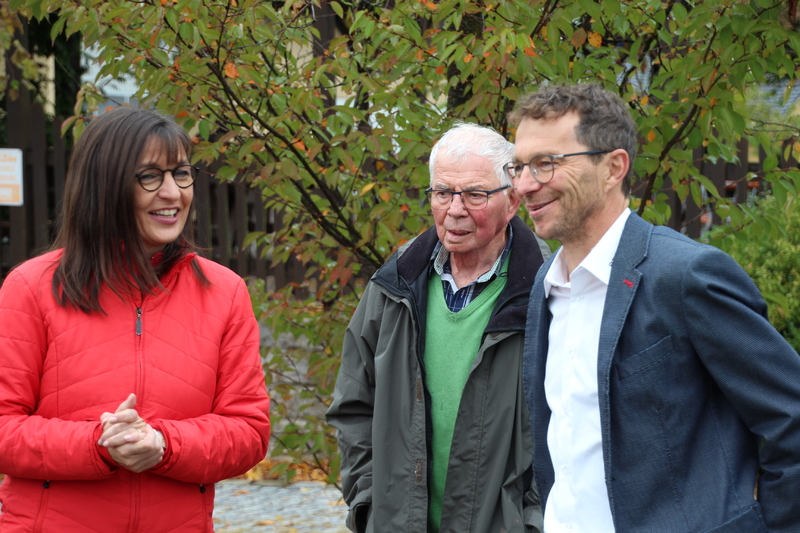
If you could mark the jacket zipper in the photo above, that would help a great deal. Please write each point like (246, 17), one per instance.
(135, 480)
(139, 355)
(42, 507)
(139, 321)
(422, 390)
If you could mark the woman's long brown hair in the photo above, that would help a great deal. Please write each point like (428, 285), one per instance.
(98, 230)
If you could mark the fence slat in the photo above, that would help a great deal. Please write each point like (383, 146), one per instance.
(715, 171)
(739, 172)
(239, 226)
(202, 223)
(221, 223)
(18, 113)
(58, 162)
(260, 216)
(37, 194)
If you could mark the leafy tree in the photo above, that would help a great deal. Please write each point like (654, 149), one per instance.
(335, 127)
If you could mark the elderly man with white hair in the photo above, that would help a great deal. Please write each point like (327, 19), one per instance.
(429, 403)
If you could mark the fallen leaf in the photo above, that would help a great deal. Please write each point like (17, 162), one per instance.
(303, 471)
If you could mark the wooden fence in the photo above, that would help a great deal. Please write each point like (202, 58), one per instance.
(227, 212)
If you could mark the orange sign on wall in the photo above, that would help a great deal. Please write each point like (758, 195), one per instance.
(10, 176)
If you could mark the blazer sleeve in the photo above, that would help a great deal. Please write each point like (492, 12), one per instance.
(234, 436)
(756, 369)
(32, 446)
(352, 410)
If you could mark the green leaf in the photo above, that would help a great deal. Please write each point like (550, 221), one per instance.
(171, 16)
(770, 163)
(288, 168)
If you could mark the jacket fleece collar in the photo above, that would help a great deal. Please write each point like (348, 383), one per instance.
(411, 265)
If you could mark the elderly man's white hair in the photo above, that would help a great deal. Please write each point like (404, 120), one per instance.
(463, 140)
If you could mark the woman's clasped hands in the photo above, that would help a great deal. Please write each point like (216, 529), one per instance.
(131, 442)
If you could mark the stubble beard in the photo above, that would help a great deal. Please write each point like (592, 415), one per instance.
(572, 227)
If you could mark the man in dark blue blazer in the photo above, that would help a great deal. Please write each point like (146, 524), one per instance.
(661, 399)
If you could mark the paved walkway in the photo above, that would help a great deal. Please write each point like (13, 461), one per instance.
(304, 507)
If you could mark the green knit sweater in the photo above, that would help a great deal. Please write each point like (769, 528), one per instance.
(451, 343)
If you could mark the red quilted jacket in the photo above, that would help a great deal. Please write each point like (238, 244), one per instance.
(191, 355)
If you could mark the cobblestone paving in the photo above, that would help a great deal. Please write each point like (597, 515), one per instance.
(304, 507)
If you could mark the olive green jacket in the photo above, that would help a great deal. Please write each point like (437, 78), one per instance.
(381, 406)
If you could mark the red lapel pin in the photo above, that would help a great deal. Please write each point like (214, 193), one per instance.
(627, 282)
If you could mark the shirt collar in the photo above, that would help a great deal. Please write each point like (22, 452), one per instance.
(597, 263)
(441, 259)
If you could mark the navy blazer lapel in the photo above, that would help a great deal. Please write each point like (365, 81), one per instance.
(622, 286)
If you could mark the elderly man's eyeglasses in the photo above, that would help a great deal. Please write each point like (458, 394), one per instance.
(543, 166)
(151, 178)
(442, 198)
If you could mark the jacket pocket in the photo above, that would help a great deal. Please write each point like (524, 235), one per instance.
(748, 522)
(358, 517)
(207, 494)
(645, 360)
(39, 526)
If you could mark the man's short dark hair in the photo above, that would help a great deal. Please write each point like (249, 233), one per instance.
(605, 121)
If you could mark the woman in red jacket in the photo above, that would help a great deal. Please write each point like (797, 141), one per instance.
(130, 375)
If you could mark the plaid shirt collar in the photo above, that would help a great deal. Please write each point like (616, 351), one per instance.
(458, 299)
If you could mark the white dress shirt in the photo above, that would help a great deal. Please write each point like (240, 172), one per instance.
(578, 501)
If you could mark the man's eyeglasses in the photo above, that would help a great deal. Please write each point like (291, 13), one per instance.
(442, 198)
(151, 178)
(543, 167)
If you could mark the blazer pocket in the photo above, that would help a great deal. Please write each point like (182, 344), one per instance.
(748, 522)
(646, 359)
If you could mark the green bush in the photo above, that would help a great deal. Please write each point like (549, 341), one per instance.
(770, 253)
